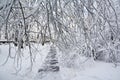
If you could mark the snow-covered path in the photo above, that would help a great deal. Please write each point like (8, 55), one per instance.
(90, 70)
(98, 71)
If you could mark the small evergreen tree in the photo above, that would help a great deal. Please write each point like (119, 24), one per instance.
(51, 61)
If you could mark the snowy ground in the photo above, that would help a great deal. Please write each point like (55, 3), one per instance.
(90, 70)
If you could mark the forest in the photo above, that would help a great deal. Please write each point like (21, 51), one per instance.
(59, 39)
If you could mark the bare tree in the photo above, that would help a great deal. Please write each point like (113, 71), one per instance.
(90, 26)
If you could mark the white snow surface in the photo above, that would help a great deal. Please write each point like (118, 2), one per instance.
(88, 70)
